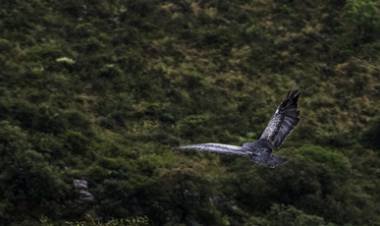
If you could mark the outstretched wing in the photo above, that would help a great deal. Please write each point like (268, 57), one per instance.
(283, 121)
(218, 148)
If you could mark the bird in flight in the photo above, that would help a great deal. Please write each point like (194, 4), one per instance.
(281, 124)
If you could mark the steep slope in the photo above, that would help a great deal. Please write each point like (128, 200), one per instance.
(104, 91)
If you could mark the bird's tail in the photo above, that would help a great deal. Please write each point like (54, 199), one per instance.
(269, 161)
(275, 161)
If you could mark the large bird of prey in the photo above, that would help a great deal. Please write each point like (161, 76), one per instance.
(282, 123)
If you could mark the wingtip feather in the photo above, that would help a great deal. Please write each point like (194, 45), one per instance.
(294, 94)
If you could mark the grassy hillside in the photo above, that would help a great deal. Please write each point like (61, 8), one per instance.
(105, 90)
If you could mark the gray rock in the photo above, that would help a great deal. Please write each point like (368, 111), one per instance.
(86, 196)
(81, 186)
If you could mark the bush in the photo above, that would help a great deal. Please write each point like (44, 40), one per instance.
(370, 137)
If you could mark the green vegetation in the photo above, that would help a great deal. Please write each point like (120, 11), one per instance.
(105, 91)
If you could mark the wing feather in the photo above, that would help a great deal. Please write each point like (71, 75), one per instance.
(214, 147)
(283, 121)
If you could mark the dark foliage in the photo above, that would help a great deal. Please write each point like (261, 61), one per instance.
(105, 90)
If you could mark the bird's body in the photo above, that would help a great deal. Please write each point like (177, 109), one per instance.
(260, 151)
